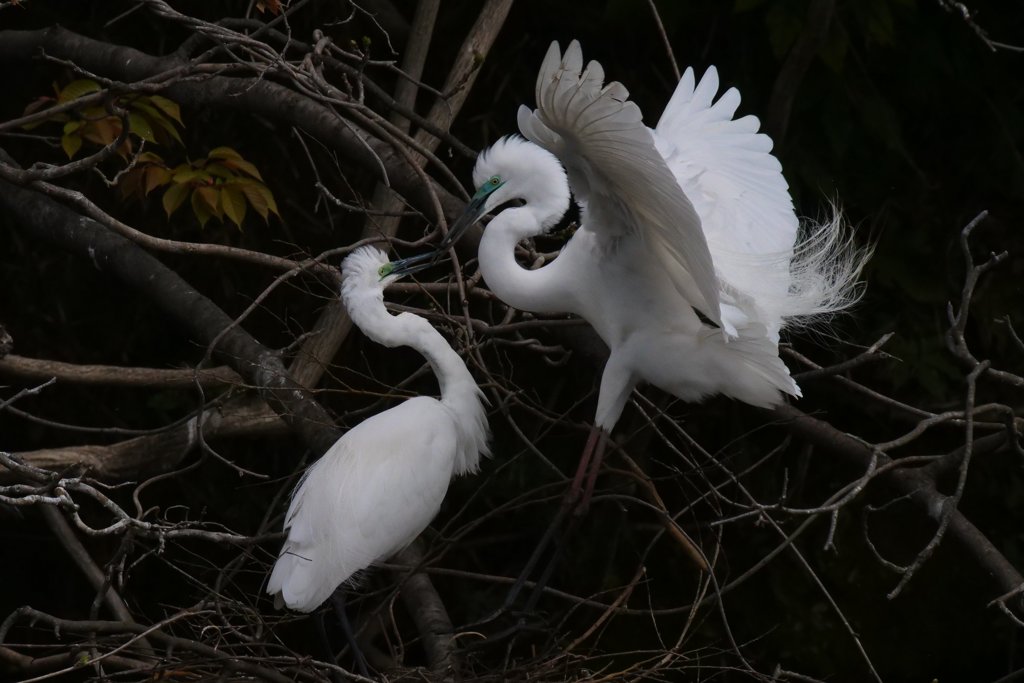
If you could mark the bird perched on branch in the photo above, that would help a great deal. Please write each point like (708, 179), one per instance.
(689, 260)
(379, 485)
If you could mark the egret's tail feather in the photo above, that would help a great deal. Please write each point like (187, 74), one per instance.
(824, 271)
(746, 368)
(297, 582)
(764, 379)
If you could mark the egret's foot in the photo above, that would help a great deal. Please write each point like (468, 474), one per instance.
(518, 624)
(524, 624)
(555, 534)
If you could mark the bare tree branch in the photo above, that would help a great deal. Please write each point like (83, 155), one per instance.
(47, 220)
(110, 375)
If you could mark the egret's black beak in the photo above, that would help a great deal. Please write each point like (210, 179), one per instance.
(474, 209)
(414, 264)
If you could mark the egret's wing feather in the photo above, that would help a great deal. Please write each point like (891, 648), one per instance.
(729, 174)
(619, 178)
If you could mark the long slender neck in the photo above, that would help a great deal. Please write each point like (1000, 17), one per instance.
(543, 290)
(458, 388)
(459, 391)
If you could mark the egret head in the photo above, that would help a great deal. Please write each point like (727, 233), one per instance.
(522, 170)
(514, 168)
(367, 269)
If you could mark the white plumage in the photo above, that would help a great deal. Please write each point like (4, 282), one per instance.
(694, 214)
(379, 486)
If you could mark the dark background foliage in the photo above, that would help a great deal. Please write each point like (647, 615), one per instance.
(905, 118)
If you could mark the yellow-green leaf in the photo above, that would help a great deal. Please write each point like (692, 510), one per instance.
(103, 131)
(76, 89)
(200, 209)
(210, 196)
(173, 198)
(258, 202)
(150, 158)
(157, 120)
(95, 113)
(243, 166)
(223, 153)
(170, 129)
(259, 195)
(129, 181)
(233, 201)
(72, 126)
(155, 177)
(138, 125)
(219, 171)
(192, 175)
(169, 107)
(71, 144)
(268, 196)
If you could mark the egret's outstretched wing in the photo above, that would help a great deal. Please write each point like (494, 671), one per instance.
(620, 180)
(726, 169)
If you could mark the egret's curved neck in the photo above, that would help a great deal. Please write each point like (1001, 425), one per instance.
(459, 390)
(541, 290)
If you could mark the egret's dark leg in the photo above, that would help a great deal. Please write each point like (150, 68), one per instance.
(575, 491)
(517, 587)
(535, 556)
(531, 562)
(325, 642)
(576, 499)
(600, 436)
(549, 568)
(338, 601)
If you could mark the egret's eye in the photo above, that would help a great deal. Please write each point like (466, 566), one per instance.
(385, 270)
(488, 186)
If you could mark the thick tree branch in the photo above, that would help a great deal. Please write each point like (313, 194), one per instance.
(44, 219)
(427, 609)
(117, 376)
(917, 486)
(334, 324)
(151, 454)
(253, 96)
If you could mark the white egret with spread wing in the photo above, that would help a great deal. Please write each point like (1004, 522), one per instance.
(692, 216)
(381, 483)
